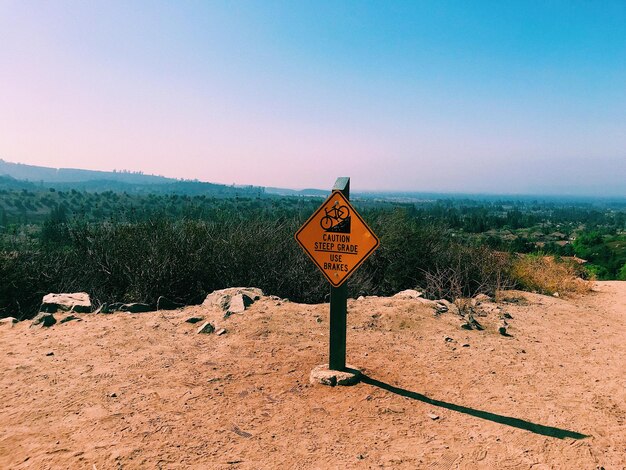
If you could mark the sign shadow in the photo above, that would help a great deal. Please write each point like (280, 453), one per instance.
(496, 418)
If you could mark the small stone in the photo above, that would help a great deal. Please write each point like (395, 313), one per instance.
(507, 315)
(136, 307)
(360, 456)
(480, 298)
(69, 318)
(9, 321)
(466, 345)
(408, 294)
(50, 353)
(433, 416)
(556, 294)
(318, 320)
(44, 319)
(113, 395)
(360, 298)
(194, 320)
(111, 308)
(206, 328)
(502, 329)
(447, 339)
(163, 303)
(440, 308)
(220, 332)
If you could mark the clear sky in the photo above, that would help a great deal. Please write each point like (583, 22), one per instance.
(455, 96)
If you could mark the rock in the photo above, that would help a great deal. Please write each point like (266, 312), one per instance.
(109, 308)
(194, 320)
(113, 395)
(220, 332)
(324, 376)
(70, 318)
(408, 294)
(43, 319)
(556, 294)
(482, 298)
(507, 315)
(163, 303)
(502, 329)
(136, 307)
(238, 303)
(360, 298)
(206, 328)
(8, 321)
(78, 302)
(221, 298)
(433, 416)
(447, 339)
(440, 307)
(51, 353)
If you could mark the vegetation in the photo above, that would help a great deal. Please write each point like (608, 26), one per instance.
(546, 275)
(136, 247)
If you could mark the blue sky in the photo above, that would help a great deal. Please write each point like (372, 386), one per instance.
(500, 97)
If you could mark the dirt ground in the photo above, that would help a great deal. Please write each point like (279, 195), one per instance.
(145, 391)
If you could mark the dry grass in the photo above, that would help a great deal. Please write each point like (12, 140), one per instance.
(547, 275)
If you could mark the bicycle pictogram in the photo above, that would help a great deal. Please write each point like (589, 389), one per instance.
(334, 216)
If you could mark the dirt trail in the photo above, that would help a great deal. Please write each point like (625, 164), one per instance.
(145, 391)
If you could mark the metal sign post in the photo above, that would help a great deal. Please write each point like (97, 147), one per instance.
(338, 241)
(339, 305)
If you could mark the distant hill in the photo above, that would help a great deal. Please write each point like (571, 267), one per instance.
(8, 182)
(20, 176)
(297, 192)
(37, 174)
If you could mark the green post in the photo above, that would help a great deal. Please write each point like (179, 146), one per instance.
(339, 305)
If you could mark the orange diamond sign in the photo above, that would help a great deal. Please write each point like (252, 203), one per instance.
(337, 239)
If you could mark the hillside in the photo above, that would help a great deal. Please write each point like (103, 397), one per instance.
(145, 391)
(21, 176)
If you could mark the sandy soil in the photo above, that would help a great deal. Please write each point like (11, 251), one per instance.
(145, 391)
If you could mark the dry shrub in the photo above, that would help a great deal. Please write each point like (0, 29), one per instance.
(547, 275)
(465, 271)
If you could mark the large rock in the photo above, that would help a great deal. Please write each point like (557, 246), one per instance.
(43, 319)
(233, 299)
(78, 302)
(324, 376)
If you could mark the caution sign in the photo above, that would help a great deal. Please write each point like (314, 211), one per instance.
(337, 239)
